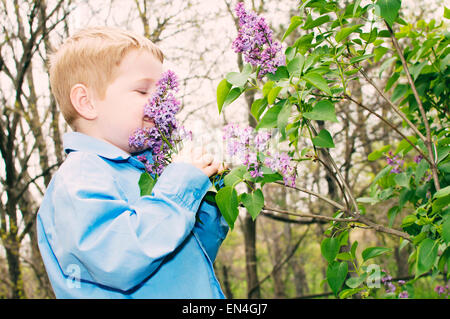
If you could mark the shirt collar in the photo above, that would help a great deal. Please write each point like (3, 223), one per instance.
(76, 141)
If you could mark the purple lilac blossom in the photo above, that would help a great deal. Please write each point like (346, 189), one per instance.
(161, 108)
(395, 162)
(441, 289)
(254, 41)
(245, 143)
(403, 295)
(418, 158)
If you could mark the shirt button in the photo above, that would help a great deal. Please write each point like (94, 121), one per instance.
(197, 195)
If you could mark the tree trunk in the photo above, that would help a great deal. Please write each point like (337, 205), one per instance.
(249, 228)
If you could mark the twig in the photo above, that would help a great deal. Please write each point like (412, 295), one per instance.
(304, 190)
(427, 140)
(320, 217)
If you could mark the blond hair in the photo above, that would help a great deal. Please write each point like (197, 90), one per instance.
(91, 57)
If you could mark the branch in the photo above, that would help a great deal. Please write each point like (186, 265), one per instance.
(292, 221)
(428, 141)
(304, 190)
(314, 216)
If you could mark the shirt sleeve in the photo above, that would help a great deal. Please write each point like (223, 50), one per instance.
(119, 244)
(211, 228)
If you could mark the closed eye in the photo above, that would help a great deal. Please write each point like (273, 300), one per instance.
(143, 92)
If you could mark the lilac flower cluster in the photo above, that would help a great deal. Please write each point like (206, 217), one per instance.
(160, 139)
(441, 290)
(246, 144)
(390, 287)
(255, 42)
(395, 162)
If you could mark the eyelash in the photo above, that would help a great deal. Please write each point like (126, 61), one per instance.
(141, 92)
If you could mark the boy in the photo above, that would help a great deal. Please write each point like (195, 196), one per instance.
(97, 236)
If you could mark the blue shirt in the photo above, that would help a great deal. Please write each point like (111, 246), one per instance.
(100, 239)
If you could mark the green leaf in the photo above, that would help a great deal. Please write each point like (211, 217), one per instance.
(416, 69)
(267, 87)
(227, 202)
(323, 139)
(254, 202)
(373, 252)
(280, 73)
(446, 13)
(237, 79)
(330, 248)
(296, 64)
(295, 22)
(318, 81)
(399, 92)
(361, 58)
(442, 192)
(391, 81)
(269, 119)
(146, 184)
(402, 179)
(273, 94)
(392, 213)
(283, 118)
(345, 32)
(304, 42)
(355, 282)
(420, 170)
(336, 274)
(235, 175)
(233, 95)
(426, 256)
(344, 256)
(387, 63)
(258, 107)
(222, 91)
(322, 111)
(378, 153)
(379, 53)
(388, 10)
(310, 23)
(346, 293)
(446, 229)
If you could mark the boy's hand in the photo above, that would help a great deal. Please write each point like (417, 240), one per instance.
(199, 158)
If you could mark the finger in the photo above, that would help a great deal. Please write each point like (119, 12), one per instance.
(207, 159)
(211, 169)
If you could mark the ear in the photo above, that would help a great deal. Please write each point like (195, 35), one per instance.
(81, 101)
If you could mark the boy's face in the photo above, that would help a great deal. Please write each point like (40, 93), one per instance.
(121, 111)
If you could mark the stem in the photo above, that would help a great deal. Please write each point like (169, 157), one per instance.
(326, 199)
(344, 183)
(314, 216)
(428, 141)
